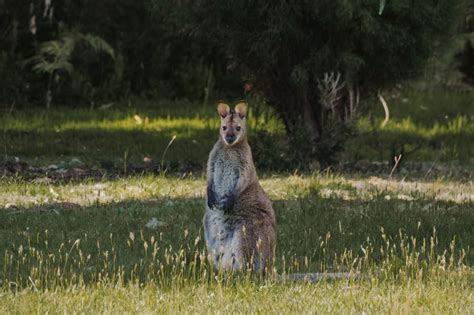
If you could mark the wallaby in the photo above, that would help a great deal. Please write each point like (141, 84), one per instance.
(239, 223)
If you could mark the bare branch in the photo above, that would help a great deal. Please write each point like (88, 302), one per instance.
(385, 108)
(329, 90)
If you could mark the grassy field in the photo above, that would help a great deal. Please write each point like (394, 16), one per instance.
(432, 130)
(249, 298)
(128, 239)
(135, 245)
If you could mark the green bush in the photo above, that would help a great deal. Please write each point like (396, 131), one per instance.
(313, 59)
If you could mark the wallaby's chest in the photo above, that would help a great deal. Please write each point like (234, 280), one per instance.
(226, 172)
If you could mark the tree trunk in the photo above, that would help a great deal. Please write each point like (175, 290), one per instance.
(14, 35)
(301, 123)
(312, 124)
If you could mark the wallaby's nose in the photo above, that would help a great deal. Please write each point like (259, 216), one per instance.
(230, 138)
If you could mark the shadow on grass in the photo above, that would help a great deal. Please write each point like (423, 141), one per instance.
(104, 240)
(112, 149)
(110, 145)
(111, 139)
(117, 150)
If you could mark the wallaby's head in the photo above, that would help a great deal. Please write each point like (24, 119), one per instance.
(232, 122)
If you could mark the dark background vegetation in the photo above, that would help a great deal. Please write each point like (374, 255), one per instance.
(153, 56)
(317, 63)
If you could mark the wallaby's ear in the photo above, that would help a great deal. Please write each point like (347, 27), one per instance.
(223, 109)
(241, 109)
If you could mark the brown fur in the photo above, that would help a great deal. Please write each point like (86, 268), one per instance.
(239, 223)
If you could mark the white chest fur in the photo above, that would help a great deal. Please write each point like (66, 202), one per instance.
(225, 175)
(223, 238)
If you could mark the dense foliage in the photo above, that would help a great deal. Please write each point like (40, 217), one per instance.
(153, 57)
(466, 57)
(310, 60)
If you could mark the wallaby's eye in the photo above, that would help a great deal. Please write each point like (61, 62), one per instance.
(238, 128)
(224, 128)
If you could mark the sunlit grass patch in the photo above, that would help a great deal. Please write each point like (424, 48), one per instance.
(424, 126)
(430, 106)
(24, 193)
(167, 270)
(350, 209)
(406, 127)
(135, 244)
(247, 298)
(112, 138)
(117, 244)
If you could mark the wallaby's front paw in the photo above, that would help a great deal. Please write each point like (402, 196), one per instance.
(229, 203)
(211, 202)
(211, 199)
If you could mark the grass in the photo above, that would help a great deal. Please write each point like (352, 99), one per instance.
(407, 245)
(248, 298)
(133, 243)
(426, 127)
(108, 138)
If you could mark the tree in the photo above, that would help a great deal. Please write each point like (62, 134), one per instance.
(153, 57)
(311, 58)
(54, 57)
(466, 57)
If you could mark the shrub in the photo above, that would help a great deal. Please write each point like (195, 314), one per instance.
(310, 58)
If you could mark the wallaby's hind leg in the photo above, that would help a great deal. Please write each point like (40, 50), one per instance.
(258, 243)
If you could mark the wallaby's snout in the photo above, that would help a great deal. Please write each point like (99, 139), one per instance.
(230, 138)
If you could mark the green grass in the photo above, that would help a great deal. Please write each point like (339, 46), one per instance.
(426, 127)
(108, 138)
(408, 245)
(431, 126)
(87, 246)
(334, 298)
